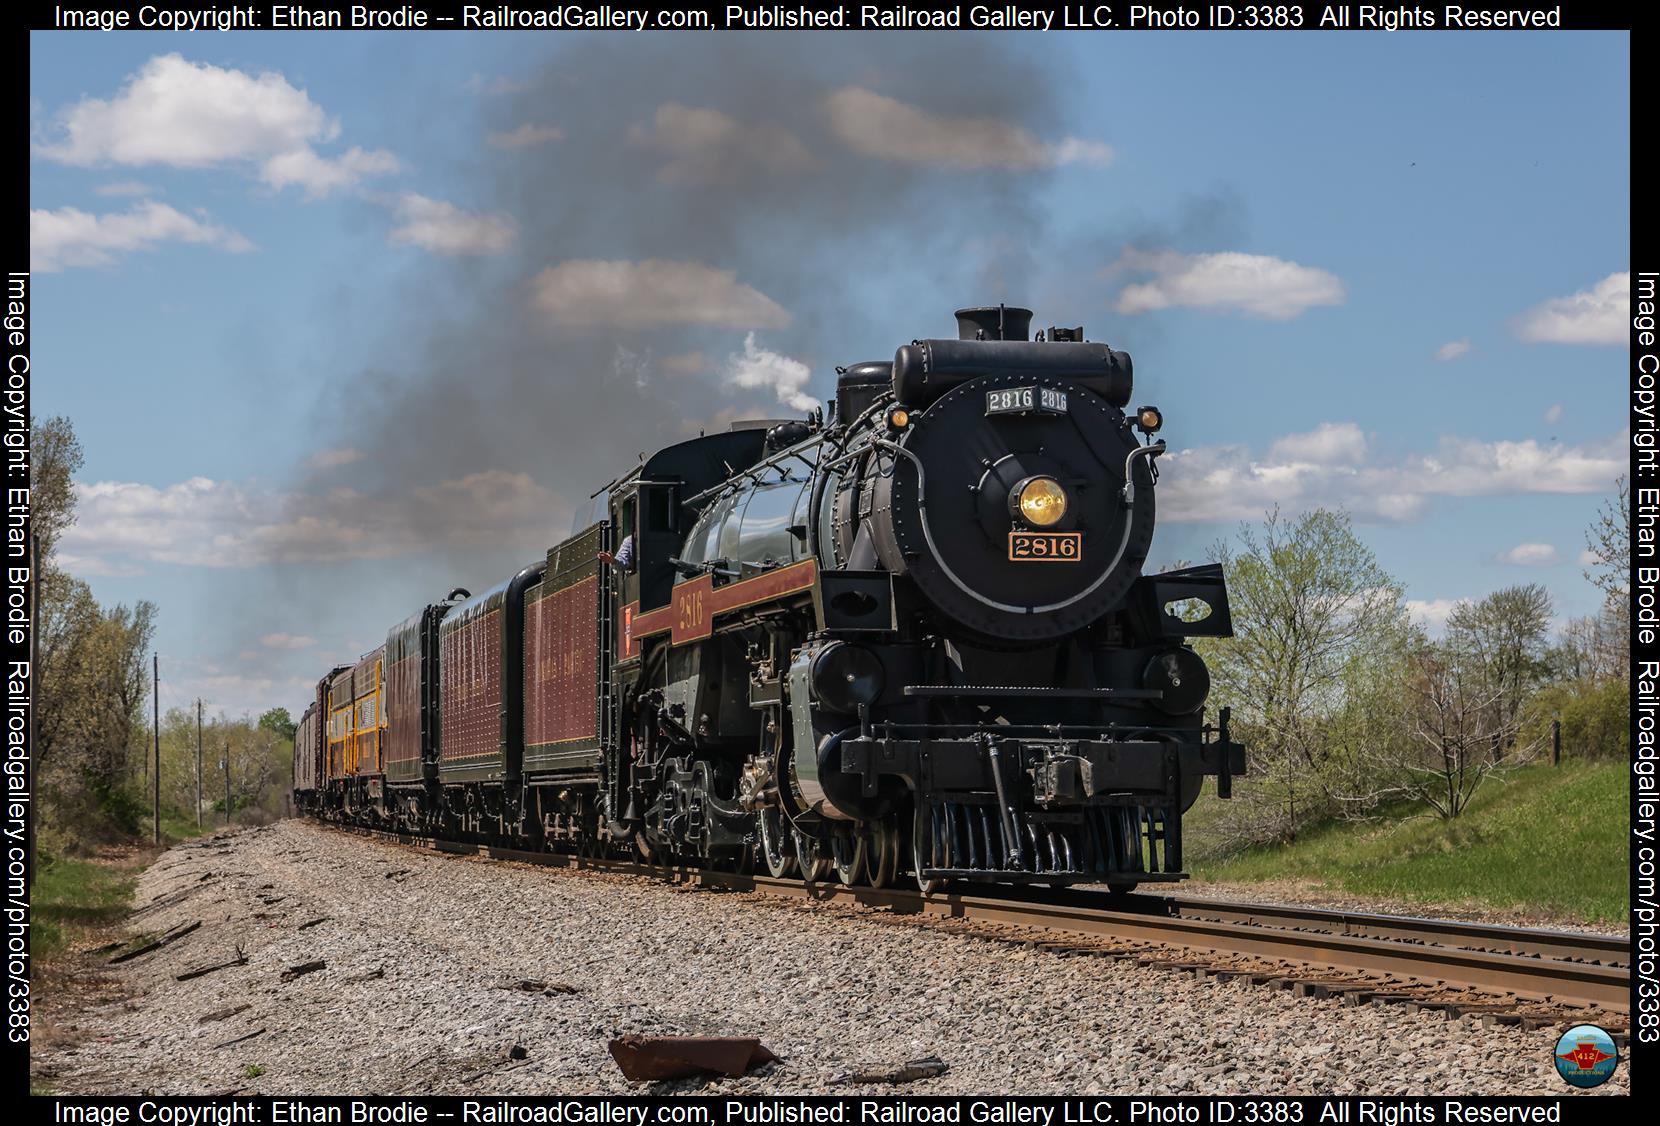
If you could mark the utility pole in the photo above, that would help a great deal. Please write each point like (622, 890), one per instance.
(155, 718)
(227, 782)
(198, 762)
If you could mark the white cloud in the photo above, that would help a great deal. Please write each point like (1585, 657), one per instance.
(759, 367)
(705, 146)
(1591, 316)
(444, 228)
(287, 641)
(624, 294)
(1529, 555)
(527, 136)
(1553, 414)
(1589, 558)
(72, 237)
(182, 114)
(1225, 483)
(1255, 284)
(126, 187)
(95, 567)
(319, 175)
(1432, 613)
(201, 522)
(876, 125)
(333, 459)
(1330, 443)
(1452, 350)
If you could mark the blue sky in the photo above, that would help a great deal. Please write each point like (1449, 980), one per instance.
(310, 299)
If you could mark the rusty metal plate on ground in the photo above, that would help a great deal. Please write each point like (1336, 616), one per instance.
(676, 1057)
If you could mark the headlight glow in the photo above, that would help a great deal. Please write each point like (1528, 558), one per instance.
(1042, 501)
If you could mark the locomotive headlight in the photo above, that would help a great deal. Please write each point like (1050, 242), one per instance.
(898, 418)
(1041, 501)
(1148, 420)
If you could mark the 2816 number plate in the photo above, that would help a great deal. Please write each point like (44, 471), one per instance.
(1026, 400)
(1046, 547)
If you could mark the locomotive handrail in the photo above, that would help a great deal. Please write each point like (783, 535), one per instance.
(706, 566)
(755, 471)
(1150, 453)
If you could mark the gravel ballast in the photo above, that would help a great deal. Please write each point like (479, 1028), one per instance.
(427, 959)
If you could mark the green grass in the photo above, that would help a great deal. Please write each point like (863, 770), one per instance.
(177, 825)
(1549, 840)
(74, 896)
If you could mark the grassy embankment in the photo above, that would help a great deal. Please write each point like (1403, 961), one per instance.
(77, 899)
(1552, 841)
(79, 905)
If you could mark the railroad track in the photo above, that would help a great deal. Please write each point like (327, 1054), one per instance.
(1504, 975)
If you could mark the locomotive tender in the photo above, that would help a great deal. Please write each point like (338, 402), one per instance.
(914, 638)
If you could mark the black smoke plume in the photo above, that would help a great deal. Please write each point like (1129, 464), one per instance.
(735, 153)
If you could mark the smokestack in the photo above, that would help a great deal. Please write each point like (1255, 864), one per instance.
(994, 322)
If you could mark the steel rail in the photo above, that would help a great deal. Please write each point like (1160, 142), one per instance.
(1567, 945)
(1531, 964)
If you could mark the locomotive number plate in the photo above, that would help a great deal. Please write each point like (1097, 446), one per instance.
(1046, 547)
(1026, 400)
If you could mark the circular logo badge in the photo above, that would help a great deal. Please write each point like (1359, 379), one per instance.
(1586, 1056)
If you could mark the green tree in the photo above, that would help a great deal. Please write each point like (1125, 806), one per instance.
(92, 676)
(1594, 648)
(1318, 626)
(1503, 643)
(1609, 539)
(260, 765)
(56, 456)
(278, 721)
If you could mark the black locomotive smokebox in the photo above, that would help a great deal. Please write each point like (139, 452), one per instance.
(952, 530)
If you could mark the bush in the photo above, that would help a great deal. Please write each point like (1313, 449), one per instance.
(121, 806)
(1595, 715)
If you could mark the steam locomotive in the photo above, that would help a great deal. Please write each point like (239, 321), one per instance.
(914, 637)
